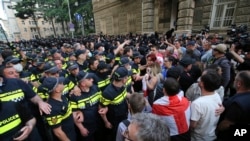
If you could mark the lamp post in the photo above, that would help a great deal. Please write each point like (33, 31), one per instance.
(2, 30)
(71, 26)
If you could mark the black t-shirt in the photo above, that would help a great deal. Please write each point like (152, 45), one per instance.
(61, 115)
(88, 103)
(115, 99)
(84, 66)
(13, 114)
(15, 90)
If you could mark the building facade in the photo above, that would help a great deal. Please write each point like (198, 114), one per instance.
(17, 29)
(29, 30)
(8, 22)
(186, 16)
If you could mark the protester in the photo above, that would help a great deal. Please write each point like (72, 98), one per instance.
(147, 127)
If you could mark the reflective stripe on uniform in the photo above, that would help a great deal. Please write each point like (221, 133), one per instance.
(64, 66)
(136, 71)
(129, 81)
(103, 83)
(59, 118)
(43, 95)
(16, 95)
(9, 123)
(117, 100)
(82, 104)
(117, 58)
(71, 85)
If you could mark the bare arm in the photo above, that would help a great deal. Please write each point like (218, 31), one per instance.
(60, 134)
(151, 85)
(27, 129)
(193, 124)
(103, 111)
(236, 56)
(43, 106)
(78, 119)
(121, 46)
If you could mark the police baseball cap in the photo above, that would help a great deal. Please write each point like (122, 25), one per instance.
(120, 73)
(50, 67)
(11, 59)
(50, 83)
(71, 65)
(110, 56)
(137, 54)
(84, 75)
(124, 61)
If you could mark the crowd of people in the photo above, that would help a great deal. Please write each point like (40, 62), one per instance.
(126, 87)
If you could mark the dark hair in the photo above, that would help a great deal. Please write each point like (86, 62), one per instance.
(171, 86)
(92, 61)
(213, 67)
(244, 76)
(6, 53)
(154, 46)
(211, 80)
(126, 49)
(137, 102)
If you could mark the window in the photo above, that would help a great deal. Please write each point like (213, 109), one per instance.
(44, 29)
(56, 29)
(50, 23)
(23, 22)
(33, 22)
(51, 29)
(42, 22)
(223, 13)
(30, 22)
(33, 29)
(25, 29)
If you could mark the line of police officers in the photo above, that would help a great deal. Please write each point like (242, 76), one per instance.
(66, 94)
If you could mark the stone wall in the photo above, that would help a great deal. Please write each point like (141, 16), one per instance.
(117, 16)
(243, 13)
(147, 16)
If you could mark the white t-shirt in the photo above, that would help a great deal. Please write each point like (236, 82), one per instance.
(203, 111)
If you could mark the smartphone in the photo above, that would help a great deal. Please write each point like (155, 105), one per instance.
(19, 133)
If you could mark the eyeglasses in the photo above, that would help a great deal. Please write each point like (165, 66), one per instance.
(126, 135)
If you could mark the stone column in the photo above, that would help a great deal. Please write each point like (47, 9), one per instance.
(147, 16)
(185, 16)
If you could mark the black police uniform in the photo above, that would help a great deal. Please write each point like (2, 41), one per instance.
(88, 103)
(115, 99)
(17, 91)
(135, 71)
(102, 80)
(61, 115)
(84, 66)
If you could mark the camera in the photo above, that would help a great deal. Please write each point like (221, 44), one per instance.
(205, 30)
(239, 36)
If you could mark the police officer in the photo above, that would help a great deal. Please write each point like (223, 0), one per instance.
(136, 72)
(87, 103)
(113, 102)
(102, 76)
(60, 119)
(16, 121)
(81, 56)
(125, 62)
